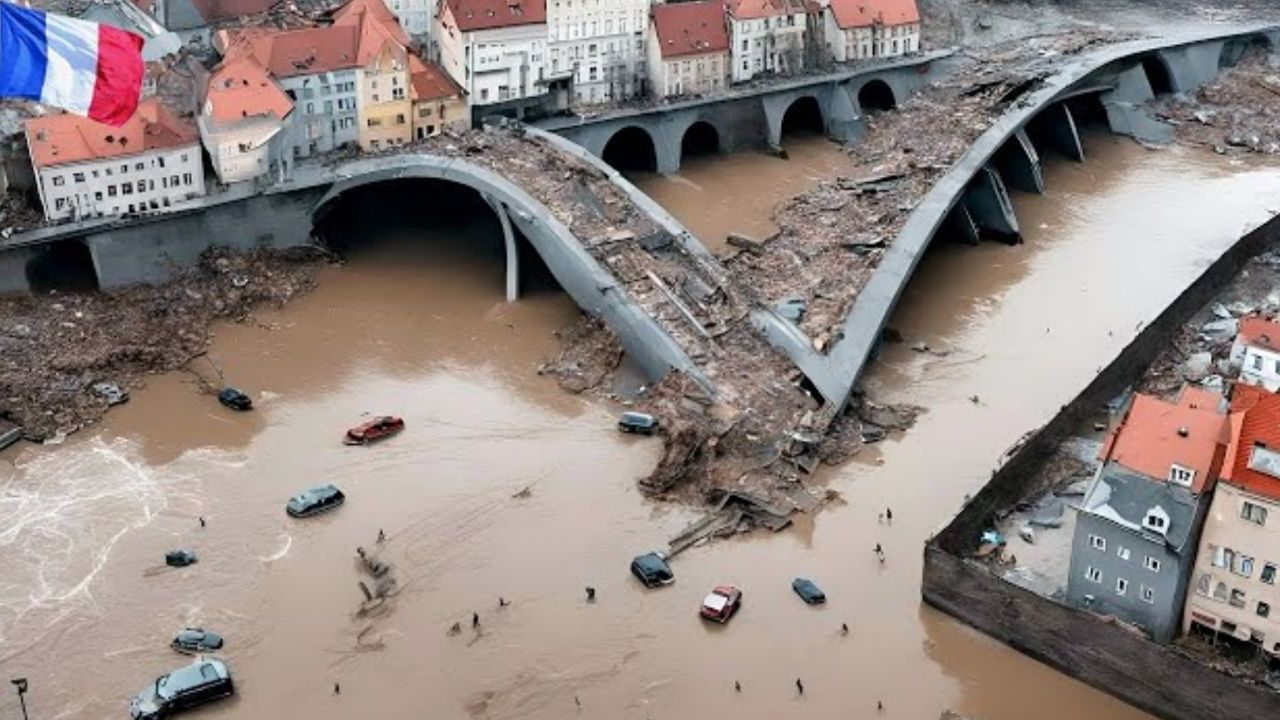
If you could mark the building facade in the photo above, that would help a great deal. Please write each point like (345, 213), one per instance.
(688, 49)
(1256, 352)
(600, 45)
(495, 49)
(1233, 595)
(85, 169)
(416, 16)
(862, 29)
(385, 104)
(243, 121)
(1137, 528)
(766, 37)
(439, 103)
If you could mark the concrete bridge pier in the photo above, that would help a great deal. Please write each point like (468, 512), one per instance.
(509, 244)
(1192, 66)
(1018, 161)
(987, 202)
(1056, 128)
(13, 270)
(844, 122)
(1125, 117)
(959, 224)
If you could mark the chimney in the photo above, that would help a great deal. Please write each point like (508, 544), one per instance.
(1183, 431)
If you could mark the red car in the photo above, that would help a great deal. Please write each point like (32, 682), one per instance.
(375, 429)
(722, 603)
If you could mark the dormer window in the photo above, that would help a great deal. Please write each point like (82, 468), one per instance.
(1179, 475)
(1156, 520)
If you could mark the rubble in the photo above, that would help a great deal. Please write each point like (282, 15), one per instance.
(61, 353)
(1237, 113)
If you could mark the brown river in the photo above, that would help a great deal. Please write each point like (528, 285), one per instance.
(418, 328)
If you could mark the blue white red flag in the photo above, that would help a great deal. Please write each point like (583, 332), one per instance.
(82, 67)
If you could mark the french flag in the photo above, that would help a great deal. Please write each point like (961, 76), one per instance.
(82, 67)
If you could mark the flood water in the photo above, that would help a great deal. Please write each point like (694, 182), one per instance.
(416, 326)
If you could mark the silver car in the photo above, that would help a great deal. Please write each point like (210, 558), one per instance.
(198, 683)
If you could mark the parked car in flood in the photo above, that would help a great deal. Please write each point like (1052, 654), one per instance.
(179, 558)
(315, 501)
(637, 422)
(652, 570)
(808, 591)
(196, 640)
(721, 603)
(374, 430)
(196, 684)
(235, 399)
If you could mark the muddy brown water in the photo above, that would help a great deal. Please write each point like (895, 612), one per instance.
(418, 328)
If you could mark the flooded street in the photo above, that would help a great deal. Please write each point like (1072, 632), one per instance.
(416, 326)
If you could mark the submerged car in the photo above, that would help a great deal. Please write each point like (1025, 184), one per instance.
(637, 422)
(722, 603)
(315, 501)
(374, 430)
(235, 399)
(808, 591)
(179, 558)
(196, 640)
(198, 683)
(653, 570)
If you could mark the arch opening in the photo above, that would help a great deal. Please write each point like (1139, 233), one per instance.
(701, 139)
(631, 149)
(427, 223)
(64, 266)
(1235, 50)
(1158, 76)
(803, 117)
(876, 96)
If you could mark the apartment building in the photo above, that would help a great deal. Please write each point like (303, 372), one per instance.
(766, 37)
(243, 121)
(600, 45)
(1256, 352)
(438, 102)
(495, 49)
(862, 29)
(688, 49)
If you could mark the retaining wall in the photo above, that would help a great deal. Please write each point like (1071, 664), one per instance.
(1156, 678)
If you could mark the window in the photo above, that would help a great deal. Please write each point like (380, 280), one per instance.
(186, 178)
(1244, 566)
(58, 181)
(374, 122)
(1122, 586)
(1257, 361)
(1179, 475)
(400, 119)
(1253, 512)
(124, 169)
(1156, 520)
(397, 93)
(1148, 594)
(111, 191)
(1122, 552)
(126, 188)
(1264, 609)
(1152, 564)
(160, 161)
(1202, 584)
(77, 177)
(1093, 574)
(139, 167)
(1099, 543)
(1268, 574)
(1220, 592)
(1237, 598)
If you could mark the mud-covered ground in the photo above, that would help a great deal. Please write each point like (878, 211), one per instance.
(1237, 113)
(54, 348)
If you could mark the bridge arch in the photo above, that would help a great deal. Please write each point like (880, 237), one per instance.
(1159, 75)
(702, 137)
(803, 115)
(66, 265)
(590, 285)
(631, 149)
(875, 95)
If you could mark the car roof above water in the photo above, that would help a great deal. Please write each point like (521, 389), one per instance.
(316, 493)
(195, 674)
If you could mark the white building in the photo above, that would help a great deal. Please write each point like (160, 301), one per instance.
(495, 49)
(243, 120)
(688, 49)
(765, 37)
(86, 169)
(1256, 352)
(860, 29)
(601, 44)
(415, 16)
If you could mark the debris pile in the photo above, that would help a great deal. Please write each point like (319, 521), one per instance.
(55, 348)
(1237, 113)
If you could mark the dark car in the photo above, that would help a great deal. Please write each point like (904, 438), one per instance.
(636, 422)
(808, 591)
(196, 640)
(195, 684)
(652, 570)
(179, 558)
(315, 501)
(235, 399)
(721, 603)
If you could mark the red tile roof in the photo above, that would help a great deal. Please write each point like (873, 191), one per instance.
(1260, 332)
(430, 82)
(1255, 421)
(240, 88)
(296, 52)
(757, 9)
(356, 12)
(219, 10)
(690, 28)
(486, 14)
(1151, 436)
(61, 139)
(865, 13)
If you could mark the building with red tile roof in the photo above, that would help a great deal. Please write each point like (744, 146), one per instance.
(1157, 436)
(87, 169)
(1234, 585)
(688, 48)
(860, 29)
(495, 49)
(1256, 352)
(243, 119)
(438, 101)
(765, 37)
